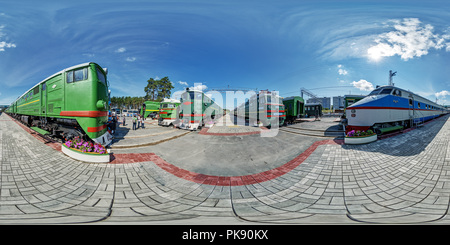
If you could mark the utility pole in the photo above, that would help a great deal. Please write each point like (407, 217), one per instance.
(391, 74)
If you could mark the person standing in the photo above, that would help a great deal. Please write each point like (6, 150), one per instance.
(139, 121)
(134, 122)
(114, 123)
(142, 122)
(123, 122)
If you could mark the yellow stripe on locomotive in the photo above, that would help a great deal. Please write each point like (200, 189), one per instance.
(70, 103)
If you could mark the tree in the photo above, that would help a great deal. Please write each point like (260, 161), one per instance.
(151, 88)
(157, 90)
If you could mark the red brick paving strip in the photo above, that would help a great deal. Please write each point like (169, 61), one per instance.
(204, 131)
(221, 180)
(196, 177)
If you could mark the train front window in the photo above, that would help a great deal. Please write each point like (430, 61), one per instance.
(196, 96)
(77, 75)
(101, 77)
(386, 91)
(375, 92)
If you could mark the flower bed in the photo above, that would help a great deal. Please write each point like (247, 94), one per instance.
(85, 151)
(360, 137)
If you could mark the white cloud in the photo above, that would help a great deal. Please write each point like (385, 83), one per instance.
(199, 87)
(342, 72)
(443, 93)
(130, 59)
(183, 83)
(363, 85)
(4, 44)
(410, 38)
(120, 50)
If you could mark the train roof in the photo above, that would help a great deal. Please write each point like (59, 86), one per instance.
(354, 96)
(166, 100)
(406, 91)
(311, 104)
(292, 97)
(57, 73)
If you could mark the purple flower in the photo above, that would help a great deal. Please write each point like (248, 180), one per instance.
(351, 133)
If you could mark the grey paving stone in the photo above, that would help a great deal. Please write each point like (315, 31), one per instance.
(403, 179)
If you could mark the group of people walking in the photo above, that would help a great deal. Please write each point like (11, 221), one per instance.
(137, 119)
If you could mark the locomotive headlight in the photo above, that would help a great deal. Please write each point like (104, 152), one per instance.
(101, 104)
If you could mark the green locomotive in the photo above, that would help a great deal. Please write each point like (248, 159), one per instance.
(149, 109)
(69, 103)
(295, 108)
(168, 112)
(262, 108)
(196, 109)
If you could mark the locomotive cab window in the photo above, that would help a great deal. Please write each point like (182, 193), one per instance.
(375, 92)
(101, 77)
(397, 93)
(77, 75)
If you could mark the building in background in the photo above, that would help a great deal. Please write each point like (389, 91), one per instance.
(338, 103)
(324, 101)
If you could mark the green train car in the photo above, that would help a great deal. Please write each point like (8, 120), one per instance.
(294, 107)
(313, 110)
(196, 108)
(352, 99)
(263, 107)
(168, 112)
(69, 103)
(150, 109)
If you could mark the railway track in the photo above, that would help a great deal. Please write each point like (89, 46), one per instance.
(328, 133)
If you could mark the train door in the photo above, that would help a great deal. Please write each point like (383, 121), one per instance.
(300, 109)
(144, 110)
(411, 110)
(43, 100)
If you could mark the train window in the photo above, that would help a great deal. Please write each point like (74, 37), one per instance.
(418, 105)
(36, 90)
(80, 74)
(77, 75)
(70, 77)
(261, 100)
(386, 91)
(101, 77)
(184, 96)
(410, 102)
(375, 92)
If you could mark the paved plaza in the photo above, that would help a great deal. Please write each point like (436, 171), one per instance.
(403, 179)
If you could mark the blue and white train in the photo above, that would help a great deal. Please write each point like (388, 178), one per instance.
(389, 107)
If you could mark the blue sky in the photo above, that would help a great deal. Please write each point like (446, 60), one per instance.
(331, 48)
